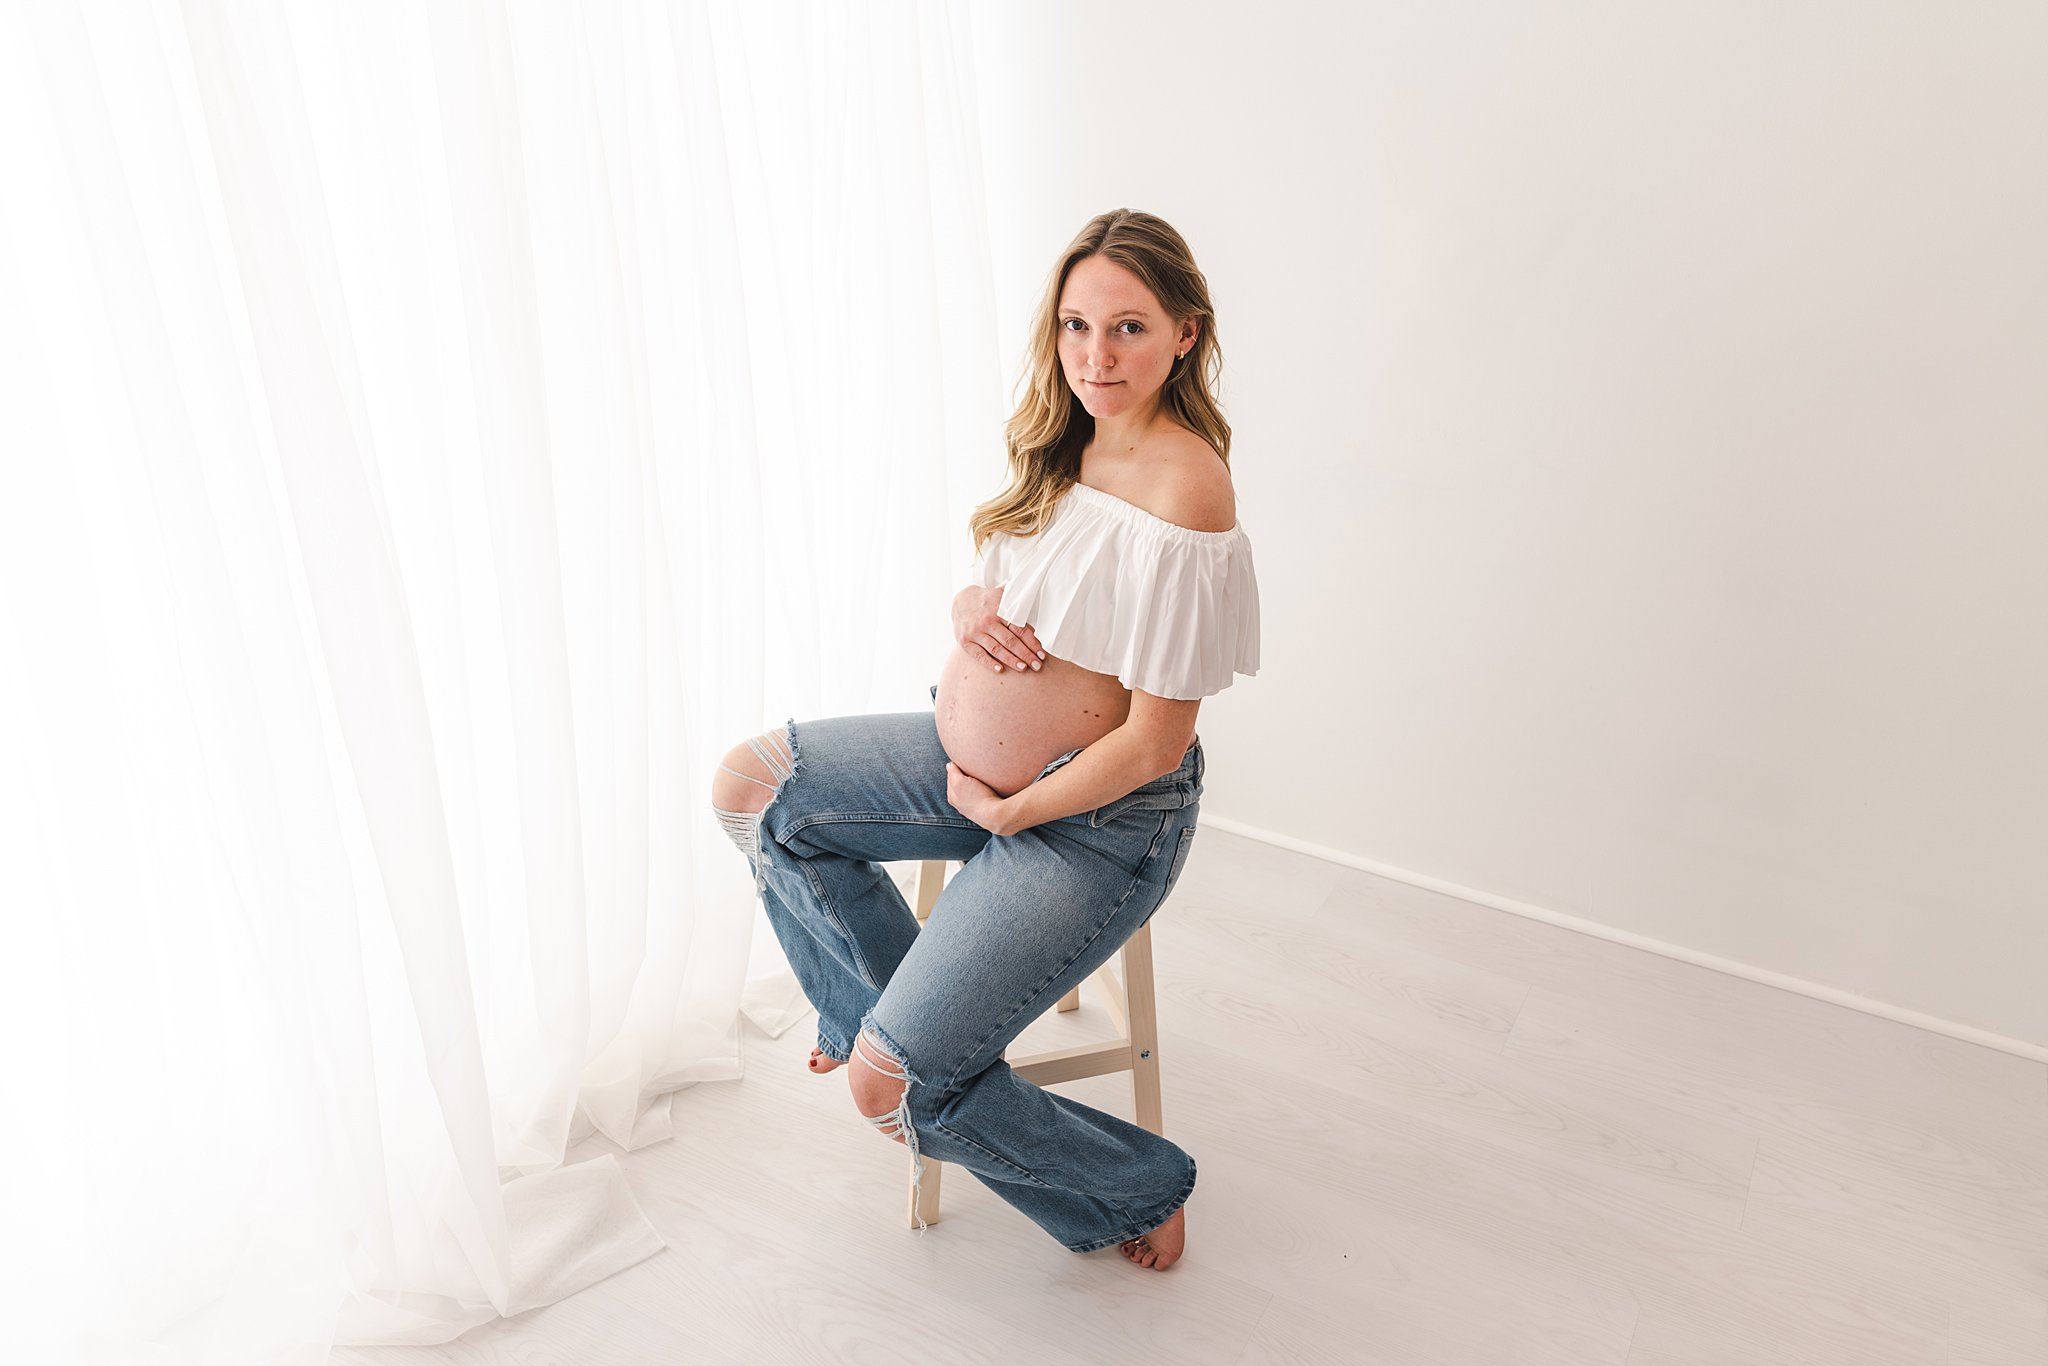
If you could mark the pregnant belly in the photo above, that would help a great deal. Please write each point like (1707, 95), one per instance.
(1004, 728)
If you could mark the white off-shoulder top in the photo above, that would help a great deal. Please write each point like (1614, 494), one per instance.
(1113, 588)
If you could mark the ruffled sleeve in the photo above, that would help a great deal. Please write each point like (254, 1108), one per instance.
(1115, 589)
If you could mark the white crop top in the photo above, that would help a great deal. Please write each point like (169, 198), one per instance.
(1113, 588)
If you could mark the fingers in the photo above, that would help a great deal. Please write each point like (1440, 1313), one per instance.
(1008, 646)
(990, 649)
(1019, 644)
(1026, 650)
(1004, 648)
(1022, 641)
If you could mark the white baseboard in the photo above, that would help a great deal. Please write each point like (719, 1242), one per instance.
(1833, 995)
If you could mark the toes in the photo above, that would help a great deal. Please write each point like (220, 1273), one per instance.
(1140, 1252)
(1137, 1250)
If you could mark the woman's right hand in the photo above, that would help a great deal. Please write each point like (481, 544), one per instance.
(986, 636)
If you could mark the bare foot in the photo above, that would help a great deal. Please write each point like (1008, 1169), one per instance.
(1162, 1247)
(823, 1062)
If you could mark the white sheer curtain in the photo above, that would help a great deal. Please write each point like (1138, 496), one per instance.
(432, 435)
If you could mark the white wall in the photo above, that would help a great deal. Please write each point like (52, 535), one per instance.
(1641, 419)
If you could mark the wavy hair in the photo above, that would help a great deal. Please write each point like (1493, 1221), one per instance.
(1050, 426)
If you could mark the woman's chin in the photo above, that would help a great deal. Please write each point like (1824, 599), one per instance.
(1095, 399)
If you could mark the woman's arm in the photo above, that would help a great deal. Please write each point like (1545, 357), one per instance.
(1150, 743)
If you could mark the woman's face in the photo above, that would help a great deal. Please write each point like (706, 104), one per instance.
(1117, 345)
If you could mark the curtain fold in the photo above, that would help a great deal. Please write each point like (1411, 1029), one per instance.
(432, 437)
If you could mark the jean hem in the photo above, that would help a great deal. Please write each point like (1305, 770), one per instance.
(1144, 1227)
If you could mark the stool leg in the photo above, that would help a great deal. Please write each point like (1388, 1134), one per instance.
(931, 880)
(924, 1195)
(1141, 1010)
(1070, 1001)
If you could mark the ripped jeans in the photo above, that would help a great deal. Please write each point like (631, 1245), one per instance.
(1026, 919)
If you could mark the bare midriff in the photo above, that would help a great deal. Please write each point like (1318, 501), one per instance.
(1004, 728)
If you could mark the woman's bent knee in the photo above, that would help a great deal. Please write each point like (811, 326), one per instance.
(751, 773)
(877, 1088)
(745, 784)
(884, 1099)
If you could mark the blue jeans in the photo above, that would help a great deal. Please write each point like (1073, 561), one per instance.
(1026, 919)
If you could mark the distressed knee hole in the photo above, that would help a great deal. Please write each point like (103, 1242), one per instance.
(885, 1084)
(879, 1090)
(751, 774)
(751, 777)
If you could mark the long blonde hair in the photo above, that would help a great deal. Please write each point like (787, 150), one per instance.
(1050, 426)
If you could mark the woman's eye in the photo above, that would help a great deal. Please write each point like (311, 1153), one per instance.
(1128, 322)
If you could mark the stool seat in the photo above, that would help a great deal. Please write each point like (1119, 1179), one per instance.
(1132, 1007)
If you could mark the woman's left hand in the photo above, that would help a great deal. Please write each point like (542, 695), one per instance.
(976, 800)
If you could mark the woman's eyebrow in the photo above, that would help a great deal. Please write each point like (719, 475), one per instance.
(1127, 313)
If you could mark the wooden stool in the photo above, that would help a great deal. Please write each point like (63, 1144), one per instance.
(1136, 1050)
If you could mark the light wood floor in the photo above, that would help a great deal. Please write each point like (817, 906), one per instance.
(1427, 1132)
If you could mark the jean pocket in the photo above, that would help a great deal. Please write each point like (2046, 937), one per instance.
(1172, 797)
(1180, 858)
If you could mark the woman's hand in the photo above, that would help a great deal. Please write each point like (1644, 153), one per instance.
(986, 636)
(977, 801)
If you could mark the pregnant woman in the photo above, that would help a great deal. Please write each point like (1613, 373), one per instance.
(1113, 591)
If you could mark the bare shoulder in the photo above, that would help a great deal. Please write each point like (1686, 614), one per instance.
(1189, 484)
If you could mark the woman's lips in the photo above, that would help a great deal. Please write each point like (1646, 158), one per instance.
(1111, 384)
